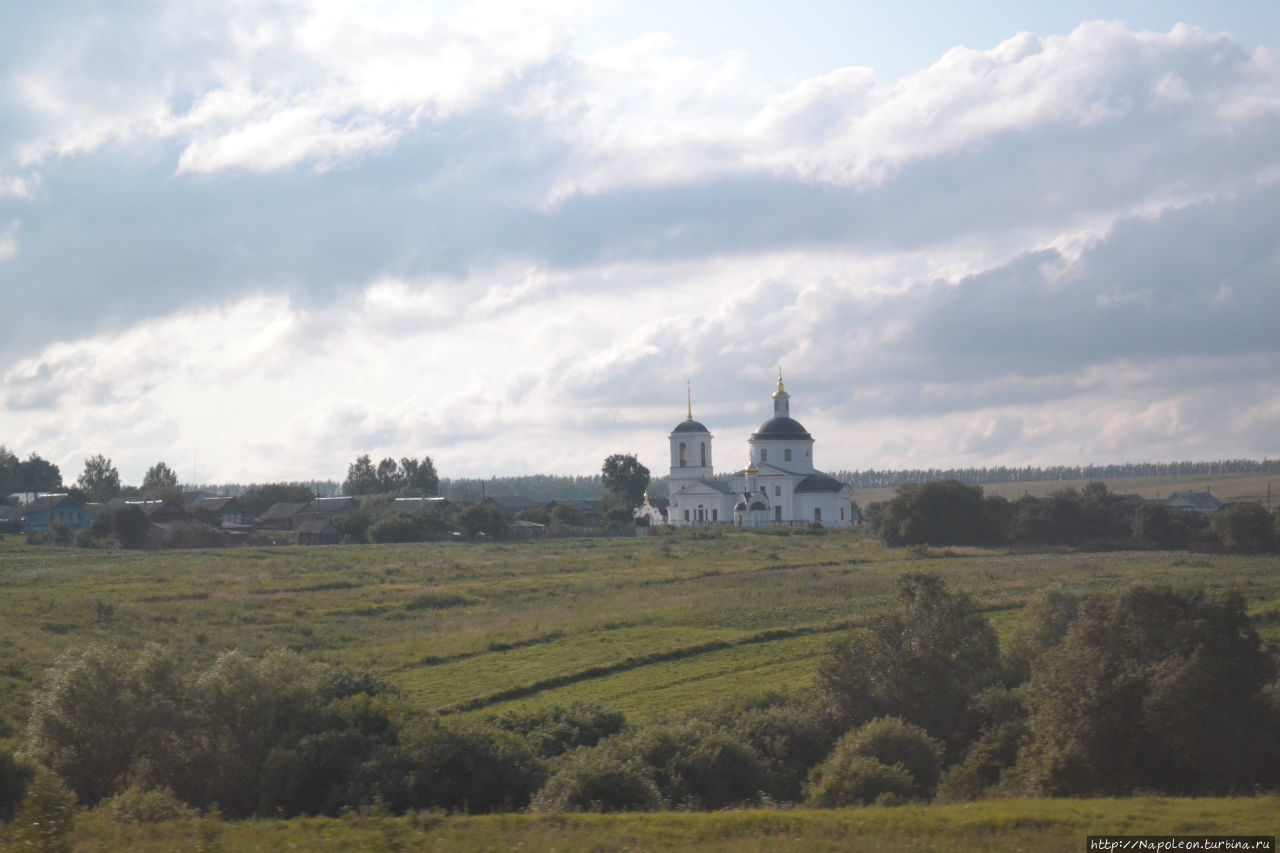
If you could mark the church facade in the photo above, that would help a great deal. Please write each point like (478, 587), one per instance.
(778, 486)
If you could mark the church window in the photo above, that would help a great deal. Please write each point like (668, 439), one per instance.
(786, 455)
(715, 514)
(703, 445)
(686, 515)
(817, 513)
(764, 455)
(842, 513)
(777, 491)
(777, 513)
(684, 455)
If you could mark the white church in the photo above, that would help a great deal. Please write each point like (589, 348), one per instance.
(778, 486)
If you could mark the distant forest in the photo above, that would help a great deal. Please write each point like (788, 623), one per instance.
(873, 479)
(547, 487)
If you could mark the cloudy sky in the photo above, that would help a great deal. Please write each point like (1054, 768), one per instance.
(256, 239)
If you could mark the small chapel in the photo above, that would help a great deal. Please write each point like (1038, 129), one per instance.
(779, 486)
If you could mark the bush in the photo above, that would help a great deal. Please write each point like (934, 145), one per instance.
(396, 528)
(1245, 529)
(924, 662)
(1154, 690)
(698, 765)
(790, 738)
(858, 780)
(555, 731)
(1045, 621)
(891, 741)
(461, 766)
(191, 534)
(45, 818)
(598, 780)
(15, 776)
(135, 805)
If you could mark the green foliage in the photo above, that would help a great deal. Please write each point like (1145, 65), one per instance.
(100, 481)
(943, 512)
(462, 766)
(891, 741)
(101, 715)
(696, 765)
(1157, 526)
(34, 474)
(557, 730)
(1158, 690)
(858, 780)
(409, 476)
(135, 805)
(15, 776)
(1004, 732)
(925, 661)
(482, 521)
(160, 481)
(129, 525)
(625, 479)
(598, 780)
(191, 534)
(45, 819)
(258, 498)
(1245, 528)
(1045, 621)
(789, 735)
(362, 477)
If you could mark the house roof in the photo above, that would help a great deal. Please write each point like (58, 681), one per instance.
(704, 486)
(281, 511)
(216, 504)
(1202, 501)
(511, 504)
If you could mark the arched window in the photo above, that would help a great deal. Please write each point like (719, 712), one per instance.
(684, 455)
(703, 445)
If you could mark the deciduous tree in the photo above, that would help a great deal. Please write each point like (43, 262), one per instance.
(626, 479)
(100, 480)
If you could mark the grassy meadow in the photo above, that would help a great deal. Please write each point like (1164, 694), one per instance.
(1043, 826)
(653, 626)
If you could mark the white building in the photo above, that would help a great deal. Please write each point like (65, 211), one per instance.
(778, 486)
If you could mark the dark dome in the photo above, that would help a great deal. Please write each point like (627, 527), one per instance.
(788, 428)
(819, 482)
(691, 426)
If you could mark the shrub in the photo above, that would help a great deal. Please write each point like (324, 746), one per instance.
(135, 805)
(15, 776)
(790, 739)
(891, 741)
(697, 765)
(1044, 623)
(598, 780)
(462, 766)
(44, 820)
(853, 780)
(1157, 690)
(191, 534)
(555, 731)
(924, 662)
(1245, 529)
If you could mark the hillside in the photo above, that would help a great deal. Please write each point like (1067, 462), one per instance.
(653, 626)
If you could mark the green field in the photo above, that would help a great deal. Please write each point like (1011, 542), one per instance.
(1041, 826)
(655, 627)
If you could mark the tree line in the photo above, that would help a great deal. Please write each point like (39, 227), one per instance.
(880, 479)
(948, 512)
(1151, 689)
